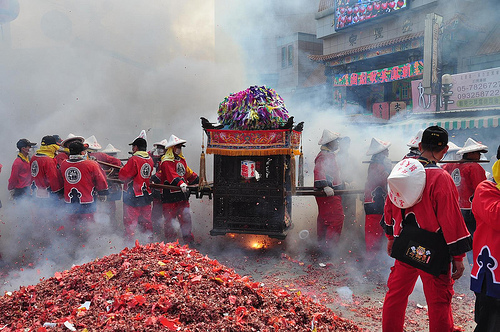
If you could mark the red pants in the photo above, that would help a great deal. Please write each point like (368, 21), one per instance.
(373, 233)
(438, 293)
(134, 215)
(330, 219)
(157, 215)
(181, 211)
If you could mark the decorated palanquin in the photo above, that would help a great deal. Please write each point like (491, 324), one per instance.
(254, 150)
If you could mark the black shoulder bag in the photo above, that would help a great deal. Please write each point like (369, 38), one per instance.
(422, 249)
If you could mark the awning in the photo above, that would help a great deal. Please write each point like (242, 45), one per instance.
(448, 123)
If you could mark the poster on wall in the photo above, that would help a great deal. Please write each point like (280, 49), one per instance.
(350, 12)
(477, 89)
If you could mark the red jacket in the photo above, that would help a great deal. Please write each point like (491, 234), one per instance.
(466, 177)
(175, 172)
(136, 176)
(376, 182)
(20, 176)
(82, 179)
(437, 210)
(60, 157)
(486, 244)
(326, 170)
(101, 156)
(45, 175)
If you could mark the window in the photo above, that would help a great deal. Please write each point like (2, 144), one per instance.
(290, 55)
(283, 57)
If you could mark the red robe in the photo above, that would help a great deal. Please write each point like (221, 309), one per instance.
(45, 175)
(20, 176)
(486, 244)
(466, 177)
(82, 179)
(136, 176)
(330, 210)
(437, 210)
(175, 172)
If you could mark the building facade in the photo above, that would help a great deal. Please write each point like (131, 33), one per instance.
(375, 52)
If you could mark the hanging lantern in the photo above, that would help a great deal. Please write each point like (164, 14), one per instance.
(9, 10)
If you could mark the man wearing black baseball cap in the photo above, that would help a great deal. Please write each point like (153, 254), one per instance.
(136, 175)
(44, 171)
(436, 212)
(20, 176)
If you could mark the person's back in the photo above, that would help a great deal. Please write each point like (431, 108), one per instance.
(486, 251)
(437, 212)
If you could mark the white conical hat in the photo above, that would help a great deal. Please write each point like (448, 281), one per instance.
(110, 149)
(472, 146)
(173, 141)
(92, 143)
(163, 142)
(453, 147)
(327, 137)
(377, 146)
(71, 138)
(142, 135)
(451, 154)
(406, 183)
(413, 143)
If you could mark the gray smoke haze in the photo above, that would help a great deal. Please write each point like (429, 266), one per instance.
(112, 68)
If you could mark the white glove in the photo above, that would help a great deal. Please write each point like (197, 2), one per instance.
(184, 188)
(328, 191)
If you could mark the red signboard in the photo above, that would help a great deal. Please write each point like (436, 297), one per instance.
(385, 75)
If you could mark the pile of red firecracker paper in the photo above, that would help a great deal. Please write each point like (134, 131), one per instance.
(160, 287)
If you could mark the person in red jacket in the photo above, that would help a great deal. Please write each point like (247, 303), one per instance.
(157, 209)
(83, 180)
(467, 174)
(63, 152)
(174, 171)
(327, 178)
(46, 178)
(375, 194)
(48, 186)
(108, 207)
(436, 211)
(20, 176)
(137, 199)
(485, 274)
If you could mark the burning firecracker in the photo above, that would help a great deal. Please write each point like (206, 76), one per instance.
(256, 108)
(160, 287)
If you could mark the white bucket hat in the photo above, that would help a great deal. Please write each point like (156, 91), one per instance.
(92, 143)
(110, 149)
(327, 137)
(72, 138)
(173, 141)
(377, 146)
(406, 183)
(472, 146)
(413, 143)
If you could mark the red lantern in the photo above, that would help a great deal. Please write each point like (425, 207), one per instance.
(9, 10)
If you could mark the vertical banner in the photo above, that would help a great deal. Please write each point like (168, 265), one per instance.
(421, 101)
(430, 80)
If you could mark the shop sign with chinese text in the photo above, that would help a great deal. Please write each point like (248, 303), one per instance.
(475, 89)
(478, 89)
(385, 75)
